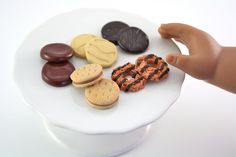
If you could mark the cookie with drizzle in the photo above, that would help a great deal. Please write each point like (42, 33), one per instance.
(147, 68)
(135, 83)
(152, 67)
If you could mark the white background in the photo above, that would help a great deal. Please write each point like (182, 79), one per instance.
(202, 122)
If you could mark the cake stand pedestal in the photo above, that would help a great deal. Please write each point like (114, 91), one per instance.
(97, 145)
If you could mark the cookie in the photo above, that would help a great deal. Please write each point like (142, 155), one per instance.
(99, 106)
(79, 42)
(56, 52)
(103, 94)
(152, 67)
(87, 75)
(133, 40)
(101, 51)
(134, 83)
(110, 31)
(57, 74)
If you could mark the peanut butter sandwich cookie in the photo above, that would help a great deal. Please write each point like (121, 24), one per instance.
(102, 95)
(87, 75)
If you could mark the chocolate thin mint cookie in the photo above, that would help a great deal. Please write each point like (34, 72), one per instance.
(133, 40)
(110, 31)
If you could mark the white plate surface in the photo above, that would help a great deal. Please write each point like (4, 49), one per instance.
(66, 106)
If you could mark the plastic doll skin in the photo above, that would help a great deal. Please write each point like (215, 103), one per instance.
(207, 60)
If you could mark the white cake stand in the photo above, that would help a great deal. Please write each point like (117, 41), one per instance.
(103, 145)
(65, 113)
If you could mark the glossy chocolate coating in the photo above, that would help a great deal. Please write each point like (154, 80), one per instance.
(56, 52)
(110, 31)
(133, 40)
(57, 74)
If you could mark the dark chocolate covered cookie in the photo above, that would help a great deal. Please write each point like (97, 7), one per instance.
(133, 40)
(110, 31)
(57, 74)
(56, 52)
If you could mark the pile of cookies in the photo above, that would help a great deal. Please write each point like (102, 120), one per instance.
(147, 68)
(100, 93)
(101, 52)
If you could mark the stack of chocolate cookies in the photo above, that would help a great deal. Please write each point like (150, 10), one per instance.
(57, 70)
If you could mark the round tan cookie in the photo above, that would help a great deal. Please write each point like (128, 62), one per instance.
(79, 42)
(87, 75)
(103, 94)
(101, 51)
(100, 107)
